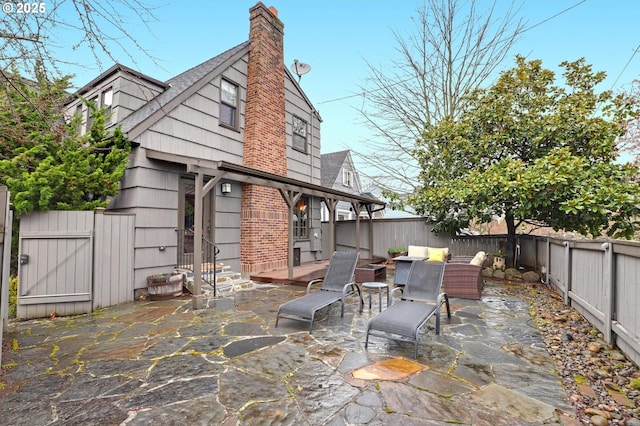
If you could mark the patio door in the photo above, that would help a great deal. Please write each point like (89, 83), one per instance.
(186, 219)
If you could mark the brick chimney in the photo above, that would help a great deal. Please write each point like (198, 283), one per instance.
(263, 228)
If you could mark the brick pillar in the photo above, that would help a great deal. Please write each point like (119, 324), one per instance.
(263, 228)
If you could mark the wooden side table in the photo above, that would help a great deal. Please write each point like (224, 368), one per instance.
(380, 287)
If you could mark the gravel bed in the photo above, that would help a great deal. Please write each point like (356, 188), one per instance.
(601, 383)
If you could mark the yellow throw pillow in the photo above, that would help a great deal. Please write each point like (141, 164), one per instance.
(436, 255)
(444, 249)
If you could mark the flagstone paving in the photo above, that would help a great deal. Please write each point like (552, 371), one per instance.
(160, 362)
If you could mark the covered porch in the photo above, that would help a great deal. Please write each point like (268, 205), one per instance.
(207, 174)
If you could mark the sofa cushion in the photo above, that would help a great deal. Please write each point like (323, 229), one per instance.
(445, 249)
(479, 259)
(437, 255)
(417, 251)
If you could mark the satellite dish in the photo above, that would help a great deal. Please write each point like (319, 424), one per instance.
(300, 68)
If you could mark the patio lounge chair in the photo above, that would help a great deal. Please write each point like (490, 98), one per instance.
(337, 284)
(421, 299)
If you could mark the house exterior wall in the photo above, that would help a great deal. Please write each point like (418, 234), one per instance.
(150, 188)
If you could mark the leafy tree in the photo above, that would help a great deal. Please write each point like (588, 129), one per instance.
(452, 48)
(532, 151)
(44, 162)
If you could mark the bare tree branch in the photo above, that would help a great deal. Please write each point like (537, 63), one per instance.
(28, 40)
(454, 48)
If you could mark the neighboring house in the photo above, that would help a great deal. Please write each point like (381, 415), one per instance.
(339, 172)
(233, 141)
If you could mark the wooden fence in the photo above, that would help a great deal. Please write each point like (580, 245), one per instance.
(599, 278)
(72, 262)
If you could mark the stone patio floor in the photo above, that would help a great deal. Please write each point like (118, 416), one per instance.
(162, 363)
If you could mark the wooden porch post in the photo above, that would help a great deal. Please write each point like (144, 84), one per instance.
(356, 207)
(331, 207)
(370, 213)
(291, 198)
(197, 299)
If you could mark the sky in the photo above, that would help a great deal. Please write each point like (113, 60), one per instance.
(337, 37)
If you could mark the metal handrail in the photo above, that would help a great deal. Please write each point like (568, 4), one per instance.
(186, 256)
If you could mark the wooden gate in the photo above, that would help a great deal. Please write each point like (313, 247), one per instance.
(58, 271)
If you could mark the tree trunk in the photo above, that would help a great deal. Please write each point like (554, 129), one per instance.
(511, 238)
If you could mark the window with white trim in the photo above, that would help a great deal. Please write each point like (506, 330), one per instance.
(107, 103)
(301, 219)
(299, 134)
(228, 104)
(80, 119)
(347, 178)
(93, 102)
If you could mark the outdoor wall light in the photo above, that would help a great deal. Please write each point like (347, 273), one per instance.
(225, 187)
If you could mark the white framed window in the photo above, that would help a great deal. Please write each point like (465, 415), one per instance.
(107, 103)
(80, 120)
(92, 102)
(301, 219)
(228, 104)
(347, 178)
(299, 134)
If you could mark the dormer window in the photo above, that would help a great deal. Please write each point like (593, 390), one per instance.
(347, 178)
(299, 132)
(93, 102)
(80, 120)
(107, 103)
(228, 104)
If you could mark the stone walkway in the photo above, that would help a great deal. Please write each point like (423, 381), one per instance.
(161, 363)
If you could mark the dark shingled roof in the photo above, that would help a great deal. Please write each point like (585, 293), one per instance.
(179, 85)
(330, 166)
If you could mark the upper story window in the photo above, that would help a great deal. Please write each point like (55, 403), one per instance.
(347, 178)
(299, 132)
(94, 102)
(228, 104)
(80, 119)
(102, 101)
(107, 103)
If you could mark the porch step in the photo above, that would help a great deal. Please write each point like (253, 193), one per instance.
(227, 281)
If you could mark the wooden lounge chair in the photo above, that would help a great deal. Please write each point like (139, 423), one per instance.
(338, 282)
(421, 299)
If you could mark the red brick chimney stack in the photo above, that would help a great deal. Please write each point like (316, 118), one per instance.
(263, 230)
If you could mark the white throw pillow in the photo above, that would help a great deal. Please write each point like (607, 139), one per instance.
(417, 251)
(478, 259)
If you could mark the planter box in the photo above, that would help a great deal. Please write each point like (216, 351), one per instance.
(371, 272)
(164, 286)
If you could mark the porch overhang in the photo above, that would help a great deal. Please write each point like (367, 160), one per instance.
(250, 175)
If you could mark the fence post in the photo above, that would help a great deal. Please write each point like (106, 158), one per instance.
(567, 272)
(6, 221)
(608, 285)
(547, 260)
